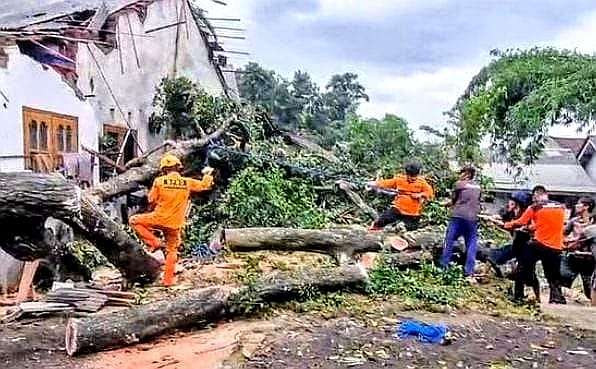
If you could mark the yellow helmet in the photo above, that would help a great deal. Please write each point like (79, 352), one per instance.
(169, 161)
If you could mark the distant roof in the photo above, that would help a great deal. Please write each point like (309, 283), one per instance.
(573, 144)
(21, 13)
(557, 169)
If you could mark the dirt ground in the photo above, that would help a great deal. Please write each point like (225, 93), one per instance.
(564, 337)
(290, 340)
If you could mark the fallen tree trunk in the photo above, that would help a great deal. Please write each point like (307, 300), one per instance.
(340, 243)
(198, 308)
(22, 194)
(135, 177)
(115, 243)
(28, 199)
(343, 243)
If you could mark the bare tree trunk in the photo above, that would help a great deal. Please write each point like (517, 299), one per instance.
(37, 196)
(198, 308)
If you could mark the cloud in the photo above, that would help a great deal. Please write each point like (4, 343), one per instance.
(420, 98)
(581, 36)
(414, 57)
(366, 10)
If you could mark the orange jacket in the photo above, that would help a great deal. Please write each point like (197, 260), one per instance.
(170, 195)
(549, 223)
(404, 202)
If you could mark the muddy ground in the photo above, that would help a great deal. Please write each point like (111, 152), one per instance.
(291, 340)
(359, 333)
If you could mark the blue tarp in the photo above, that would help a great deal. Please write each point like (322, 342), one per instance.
(424, 332)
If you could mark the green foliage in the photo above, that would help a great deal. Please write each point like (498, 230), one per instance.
(518, 97)
(380, 144)
(268, 199)
(343, 96)
(301, 103)
(184, 111)
(88, 255)
(429, 284)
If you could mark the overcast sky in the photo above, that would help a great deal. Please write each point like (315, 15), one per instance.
(415, 57)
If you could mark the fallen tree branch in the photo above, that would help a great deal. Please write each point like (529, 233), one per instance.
(137, 162)
(119, 168)
(198, 308)
(310, 146)
(348, 188)
(340, 243)
(134, 178)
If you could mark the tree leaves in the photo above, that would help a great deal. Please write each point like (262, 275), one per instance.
(518, 97)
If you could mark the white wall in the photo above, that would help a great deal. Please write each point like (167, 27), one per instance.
(27, 83)
(135, 88)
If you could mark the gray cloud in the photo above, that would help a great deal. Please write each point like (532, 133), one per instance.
(415, 39)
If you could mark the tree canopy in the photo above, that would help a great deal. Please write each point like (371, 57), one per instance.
(518, 97)
(300, 102)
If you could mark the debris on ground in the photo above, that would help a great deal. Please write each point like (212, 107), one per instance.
(428, 333)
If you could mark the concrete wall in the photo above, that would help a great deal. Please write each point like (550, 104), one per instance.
(27, 83)
(134, 84)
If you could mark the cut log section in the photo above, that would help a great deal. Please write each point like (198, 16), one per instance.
(197, 308)
(341, 243)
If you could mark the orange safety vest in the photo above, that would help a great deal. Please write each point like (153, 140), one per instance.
(407, 186)
(549, 223)
(170, 195)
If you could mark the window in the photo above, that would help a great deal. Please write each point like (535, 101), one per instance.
(111, 143)
(47, 136)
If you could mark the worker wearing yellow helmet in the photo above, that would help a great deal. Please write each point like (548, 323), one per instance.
(169, 198)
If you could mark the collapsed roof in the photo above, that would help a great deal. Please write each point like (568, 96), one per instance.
(18, 14)
(49, 30)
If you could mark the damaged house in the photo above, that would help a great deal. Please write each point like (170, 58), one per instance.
(76, 72)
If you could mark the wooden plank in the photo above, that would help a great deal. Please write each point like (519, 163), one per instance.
(100, 17)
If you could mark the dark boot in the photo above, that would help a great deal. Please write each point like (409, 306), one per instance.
(556, 294)
(518, 291)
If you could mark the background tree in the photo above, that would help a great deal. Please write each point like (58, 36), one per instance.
(518, 97)
(343, 96)
(301, 103)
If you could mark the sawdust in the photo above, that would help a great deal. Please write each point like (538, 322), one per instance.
(210, 349)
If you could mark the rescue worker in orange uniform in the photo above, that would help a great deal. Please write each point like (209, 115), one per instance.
(170, 198)
(412, 192)
(548, 220)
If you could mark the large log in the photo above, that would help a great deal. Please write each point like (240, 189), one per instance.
(115, 243)
(28, 199)
(197, 308)
(21, 195)
(342, 243)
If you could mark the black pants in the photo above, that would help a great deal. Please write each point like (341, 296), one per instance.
(393, 215)
(525, 272)
(584, 265)
(551, 263)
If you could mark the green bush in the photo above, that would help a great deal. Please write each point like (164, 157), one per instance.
(268, 199)
(429, 284)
